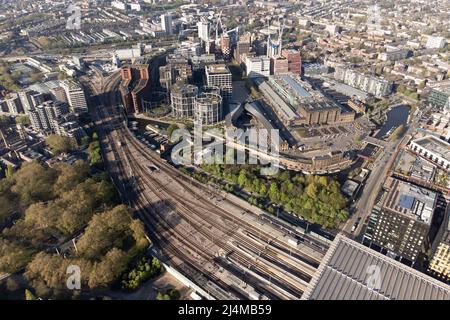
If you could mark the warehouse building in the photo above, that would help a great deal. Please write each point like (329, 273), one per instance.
(310, 105)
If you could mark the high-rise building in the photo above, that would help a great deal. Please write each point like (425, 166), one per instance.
(440, 254)
(242, 48)
(279, 65)
(257, 66)
(273, 48)
(401, 221)
(294, 60)
(220, 76)
(225, 45)
(59, 94)
(135, 86)
(75, 96)
(166, 23)
(43, 117)
(182, 97)
(203, 29)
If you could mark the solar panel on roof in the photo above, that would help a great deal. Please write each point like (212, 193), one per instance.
(406, 201)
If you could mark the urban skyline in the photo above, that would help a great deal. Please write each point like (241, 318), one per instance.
(225, 150)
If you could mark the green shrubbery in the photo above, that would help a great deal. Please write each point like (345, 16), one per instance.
(318, 199)
(171, 294)
(94, 151)
(142, 271)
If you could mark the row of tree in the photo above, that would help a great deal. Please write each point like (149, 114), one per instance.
(318, 199)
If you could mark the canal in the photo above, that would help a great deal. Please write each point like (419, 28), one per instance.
(395, 117)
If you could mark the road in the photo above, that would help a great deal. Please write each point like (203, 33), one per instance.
(216, 241)
(363, 206)
(380, 171)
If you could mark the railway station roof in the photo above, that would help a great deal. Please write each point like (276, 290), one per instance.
(351, 271)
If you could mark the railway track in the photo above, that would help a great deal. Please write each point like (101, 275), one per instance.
(160, 232)
(232, 243)
(199, 216)
(187, 183)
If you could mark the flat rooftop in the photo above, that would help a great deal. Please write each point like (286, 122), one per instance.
(414, 201)
(351, 271)
(443, 86)
(319, 106)
(435, 145)
(217, 68)
(295, 85)
(301, 93)
(415, 166)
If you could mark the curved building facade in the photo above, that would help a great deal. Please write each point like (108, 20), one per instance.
(182, 98)
(208, 108)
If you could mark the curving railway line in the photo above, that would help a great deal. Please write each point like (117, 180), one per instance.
(215, 241)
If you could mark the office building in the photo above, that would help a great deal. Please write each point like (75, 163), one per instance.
(220, 76)
(439, 265)
(294, 60)
(440, 254)
(400, 223)
(166, 23)
(439, 95)
(257, 66)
